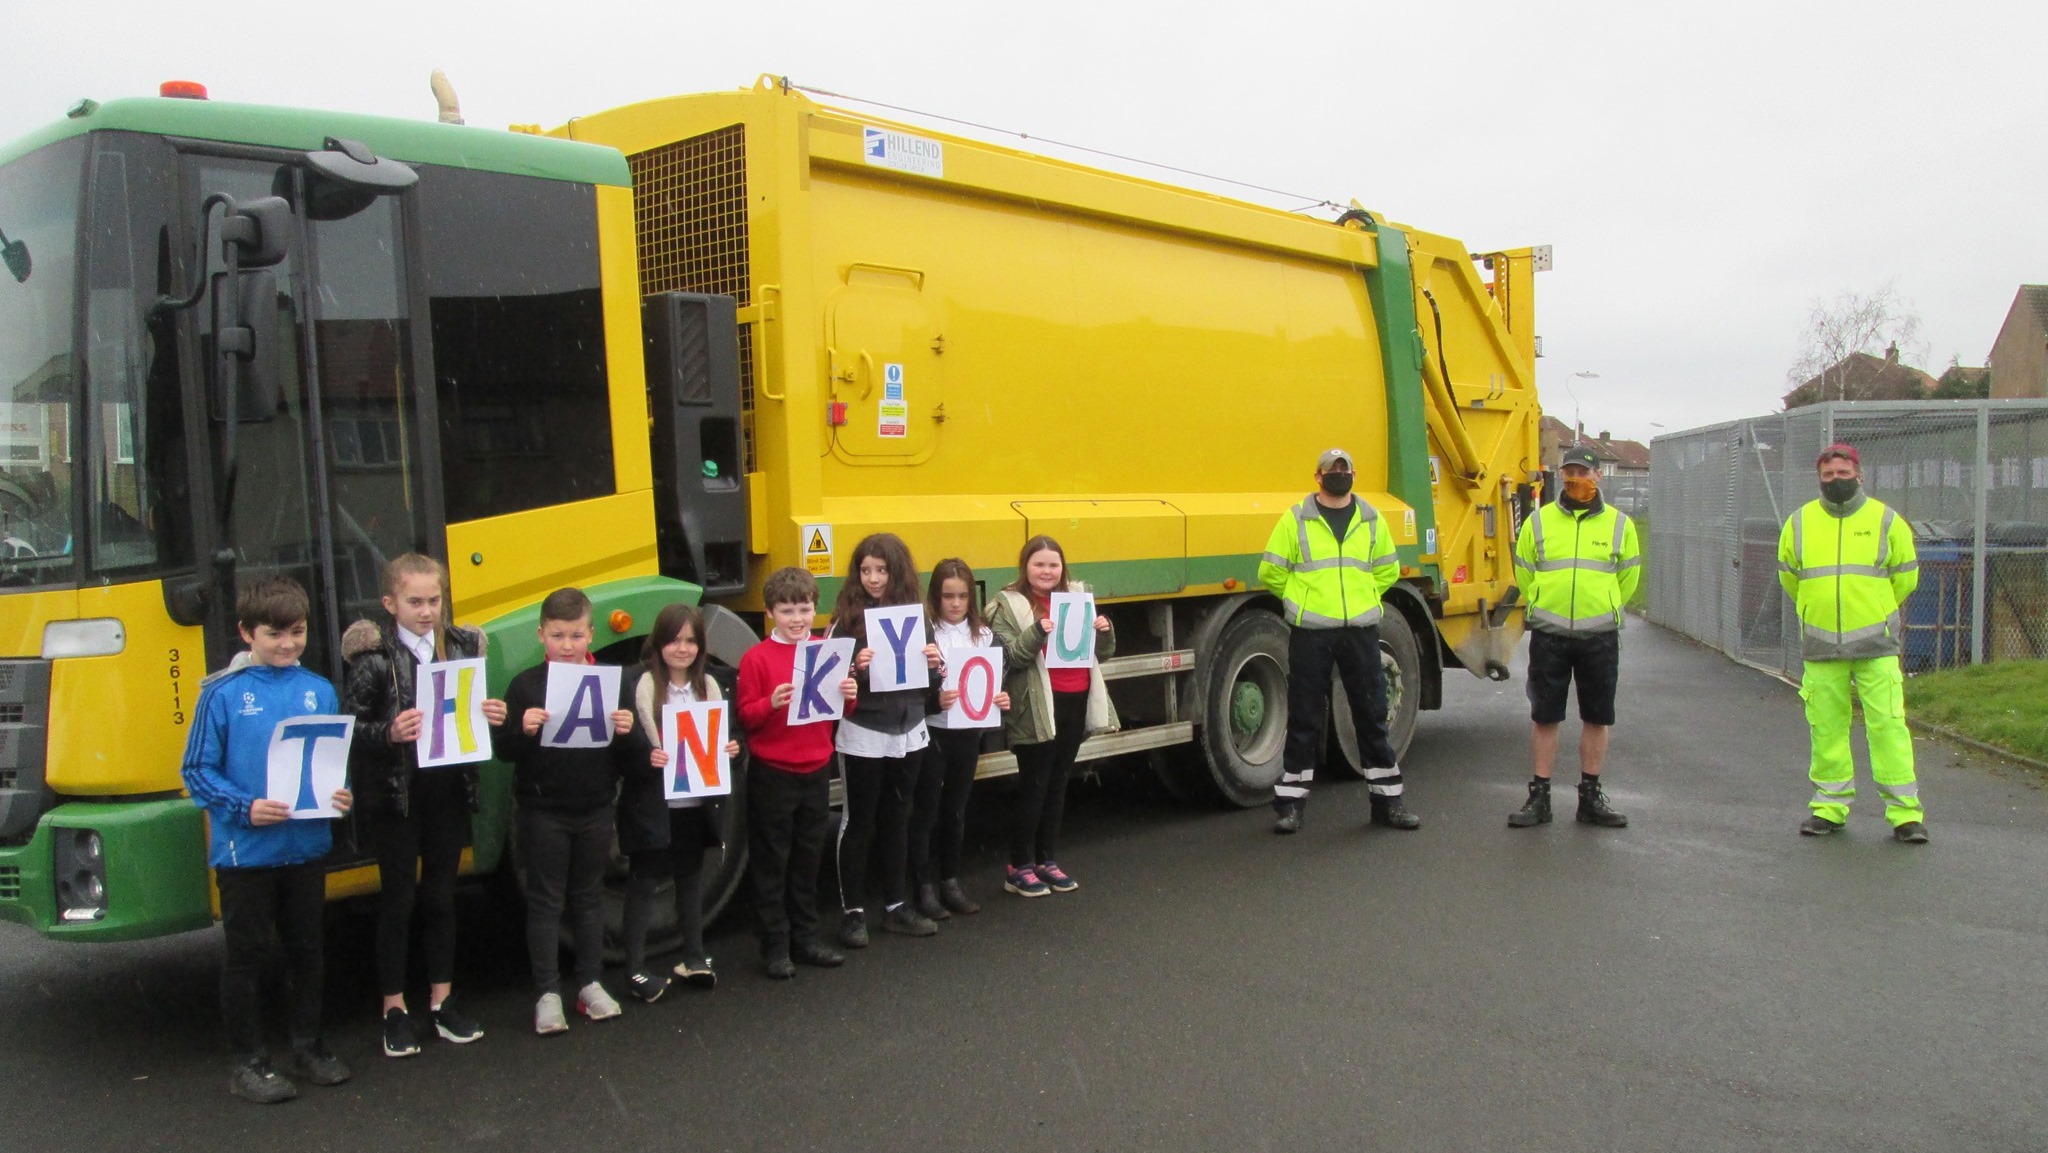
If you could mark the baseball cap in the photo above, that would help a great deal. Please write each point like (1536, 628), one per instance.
(1838, 449)
(1335, 458)
(1582, 457)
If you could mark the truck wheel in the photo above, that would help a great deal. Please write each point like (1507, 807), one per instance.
(1401, 665)
(1244, 715)
(723, 870)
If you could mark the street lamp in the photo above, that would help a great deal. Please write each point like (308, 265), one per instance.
(1578, 427)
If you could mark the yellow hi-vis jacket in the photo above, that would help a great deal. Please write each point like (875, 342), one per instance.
(1324, 582)
(1848, 574)
(1578, 569)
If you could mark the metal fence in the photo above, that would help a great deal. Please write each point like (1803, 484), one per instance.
(1971, 477)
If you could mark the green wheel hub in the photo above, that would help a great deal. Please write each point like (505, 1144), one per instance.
(1247, 707)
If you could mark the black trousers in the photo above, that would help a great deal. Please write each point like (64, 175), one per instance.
(565, 858)
(938, 805)
(1042, 770)
(786, 817)
(261, 909)
(682, 862)
(1354, 655)
(876, 820)
(418, 857)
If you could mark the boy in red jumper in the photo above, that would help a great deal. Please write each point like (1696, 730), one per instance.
(788, 787)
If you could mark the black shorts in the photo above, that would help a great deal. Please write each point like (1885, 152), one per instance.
(1591, 659)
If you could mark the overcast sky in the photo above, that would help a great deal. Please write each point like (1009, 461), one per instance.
(1704, 171)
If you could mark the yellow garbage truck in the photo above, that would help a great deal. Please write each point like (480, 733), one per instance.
(659, 352)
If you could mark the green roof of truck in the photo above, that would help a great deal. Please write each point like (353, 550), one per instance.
(299, 129)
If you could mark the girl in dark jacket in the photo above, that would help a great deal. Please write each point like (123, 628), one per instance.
(665, 840)
(881, 742)
(418, 820)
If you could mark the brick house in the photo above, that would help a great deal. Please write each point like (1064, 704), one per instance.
(2019, 357)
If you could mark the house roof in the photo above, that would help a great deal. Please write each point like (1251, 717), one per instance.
(1608, 450)
(1861, 376)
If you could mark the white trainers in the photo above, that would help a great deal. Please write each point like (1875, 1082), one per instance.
(593, 1002)
(547, 1015)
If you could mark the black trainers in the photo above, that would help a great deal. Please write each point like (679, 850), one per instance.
(452, 1026)
(1289, 820)
(646, 985)
(955, 898)
(778, 967)
(817, 956)
(1593, 806)
(254, 1080)
(696, 972)
(909, 922)
(853, 929)
(929, 905)
(316, 1064)
(1818, 826)
(1534, 811)
(400, 1038)
(1910, 833)
(1392, 813)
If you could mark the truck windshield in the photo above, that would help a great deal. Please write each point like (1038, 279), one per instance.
(39, 202)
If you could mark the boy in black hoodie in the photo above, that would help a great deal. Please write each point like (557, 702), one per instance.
(565, 818)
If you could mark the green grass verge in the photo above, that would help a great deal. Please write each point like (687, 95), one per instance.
(2000, 704)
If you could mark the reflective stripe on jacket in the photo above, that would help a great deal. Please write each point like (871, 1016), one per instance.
(1848, 574)
(1578, 569)
(1324, 582)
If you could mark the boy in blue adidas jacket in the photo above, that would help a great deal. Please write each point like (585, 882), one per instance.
(268, 867)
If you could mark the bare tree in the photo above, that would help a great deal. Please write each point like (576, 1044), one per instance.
(1852, 322)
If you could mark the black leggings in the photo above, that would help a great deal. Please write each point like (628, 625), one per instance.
(877, 801)
(683, 862)
(938, 811)
(426, 843)
(1042, 782)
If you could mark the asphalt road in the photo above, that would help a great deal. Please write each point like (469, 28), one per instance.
(1705, 979)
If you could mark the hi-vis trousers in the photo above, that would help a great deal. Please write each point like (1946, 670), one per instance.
(1881, 686)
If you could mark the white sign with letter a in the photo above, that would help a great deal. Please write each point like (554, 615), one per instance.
(896, 634)
(695, 736)
(1072, 643)
(581, 701)
(977, 675)
(308, 762)
(450, 698)
(820, 666)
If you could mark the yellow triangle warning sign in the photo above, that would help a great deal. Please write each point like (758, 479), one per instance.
(817, 543)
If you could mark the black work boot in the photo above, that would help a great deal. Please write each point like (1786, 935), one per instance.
(1593, 806)
(1287, 819)
(1389, 811)
(1536, 810)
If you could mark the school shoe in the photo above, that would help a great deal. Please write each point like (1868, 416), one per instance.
(853, 929)
(1024, 882)
(909, 922)
(314, 1063)
(1593, 806)
(817, 956)
(778, 967)
(400, 1038)
(697, 973)
(928, 903)
(1389, 811)
(954, 897)
(1056, 878)
(1910, 833)
(547, 1015)
(647, 986)
(1818, 826)
(593, 1002)
(254, 1080)
(453, 1026)
(1534, 811)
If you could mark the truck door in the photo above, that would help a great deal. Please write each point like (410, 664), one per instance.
(885, 353)
(332, 472)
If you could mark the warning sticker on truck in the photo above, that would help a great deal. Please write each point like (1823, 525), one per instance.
(892, 416)
(817, 544)
(903, 152)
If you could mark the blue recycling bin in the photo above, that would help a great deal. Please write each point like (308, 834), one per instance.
(1939, 615)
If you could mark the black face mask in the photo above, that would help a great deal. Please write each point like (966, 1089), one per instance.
(1841, 490)
(1337, 483)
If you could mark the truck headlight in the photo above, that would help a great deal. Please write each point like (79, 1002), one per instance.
(81, 867)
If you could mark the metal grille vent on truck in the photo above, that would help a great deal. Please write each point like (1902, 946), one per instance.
(690, 217)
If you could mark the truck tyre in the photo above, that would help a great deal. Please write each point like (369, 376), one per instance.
(1401, 664)
(1244, 713)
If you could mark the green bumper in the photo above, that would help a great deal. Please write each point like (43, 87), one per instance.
(155, 878)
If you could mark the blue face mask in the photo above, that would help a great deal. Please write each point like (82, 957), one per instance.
(1336, 483)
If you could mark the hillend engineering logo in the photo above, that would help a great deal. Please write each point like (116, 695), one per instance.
(903, 152)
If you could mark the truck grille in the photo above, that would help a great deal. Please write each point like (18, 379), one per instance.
(690, 215)
(24, 740)
(10, 882)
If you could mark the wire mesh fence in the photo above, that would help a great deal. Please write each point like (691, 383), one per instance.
(1970, 477)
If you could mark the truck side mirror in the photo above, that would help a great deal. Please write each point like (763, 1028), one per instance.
(261, 228)
(254, 342)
